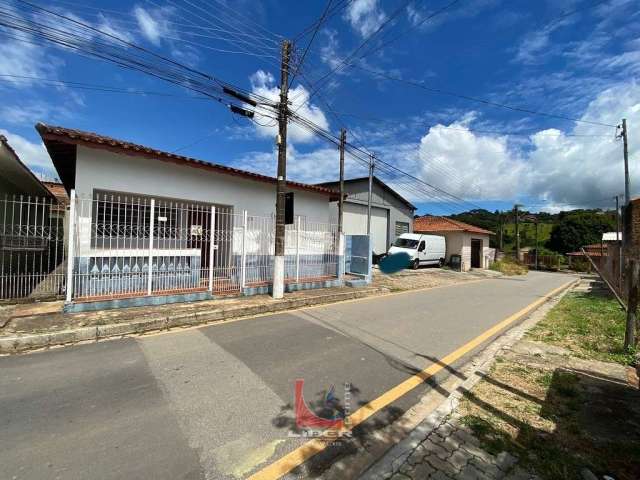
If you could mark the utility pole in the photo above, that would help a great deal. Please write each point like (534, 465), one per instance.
(500, 244)
(536, 224)
(619, 243)
(371, 167)
(517, 228)
(341, 239)
(632, 264)
(283, 111)
(625, 147)
(343, 140)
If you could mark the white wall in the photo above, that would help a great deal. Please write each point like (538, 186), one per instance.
(103, 170)
(459, 243)
(355, 223)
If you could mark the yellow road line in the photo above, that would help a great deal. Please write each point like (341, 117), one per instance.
(303, 453)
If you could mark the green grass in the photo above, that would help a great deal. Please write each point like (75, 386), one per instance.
(589, 325)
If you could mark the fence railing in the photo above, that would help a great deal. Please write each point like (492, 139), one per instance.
(127, 245)
(114, 245)
(32, 247)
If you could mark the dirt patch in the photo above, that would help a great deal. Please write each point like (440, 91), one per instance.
(556, 414)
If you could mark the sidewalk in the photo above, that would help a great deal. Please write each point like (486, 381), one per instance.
(547, 407)
(40, 325)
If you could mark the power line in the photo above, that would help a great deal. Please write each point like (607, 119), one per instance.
(480, 100)
(315, 32)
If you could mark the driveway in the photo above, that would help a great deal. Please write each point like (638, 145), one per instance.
(217, 402)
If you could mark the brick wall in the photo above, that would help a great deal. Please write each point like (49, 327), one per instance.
(632, 228)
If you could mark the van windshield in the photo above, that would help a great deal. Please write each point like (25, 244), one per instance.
(406, 243)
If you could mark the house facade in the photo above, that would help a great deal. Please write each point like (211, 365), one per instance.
(468, 241)
(151, 222)
(391, 214)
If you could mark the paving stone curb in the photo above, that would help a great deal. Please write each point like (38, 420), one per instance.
(154, 323)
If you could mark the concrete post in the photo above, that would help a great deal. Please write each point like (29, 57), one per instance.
(243, 266)
(151, 227)
(298, 250)
(71, 239)
(212, 247)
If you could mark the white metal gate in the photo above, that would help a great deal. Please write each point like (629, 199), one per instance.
(32, 247)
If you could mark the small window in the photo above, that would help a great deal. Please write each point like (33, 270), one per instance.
(401, 227)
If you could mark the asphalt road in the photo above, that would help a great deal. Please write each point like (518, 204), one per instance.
(217, 402)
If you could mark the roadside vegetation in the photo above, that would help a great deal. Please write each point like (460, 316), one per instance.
(509, 266)
(589, 325)
(552, 407)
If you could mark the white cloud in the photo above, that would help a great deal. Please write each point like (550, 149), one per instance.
(27, 60)
(152, 25)
(554, 166)
(34, 155)
(315, 166)
(329, 52)
(365, 16)
(263, 83)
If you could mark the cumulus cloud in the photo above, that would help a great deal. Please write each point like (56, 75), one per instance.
(552, 165)
(264, 84)
(315, 166)
(365, 16)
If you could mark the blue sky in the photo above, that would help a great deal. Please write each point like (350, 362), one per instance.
(571, 58)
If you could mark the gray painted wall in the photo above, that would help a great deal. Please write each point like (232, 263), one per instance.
(383, 202)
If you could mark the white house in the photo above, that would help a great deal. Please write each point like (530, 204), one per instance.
(468, 241)
(196, 223)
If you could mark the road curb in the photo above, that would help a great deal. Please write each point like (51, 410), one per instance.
(29, 342)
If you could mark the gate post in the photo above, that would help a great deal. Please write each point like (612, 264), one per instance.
(151, 226)
(71, 238)
(298, 250)
(243, 266)
(212, 237)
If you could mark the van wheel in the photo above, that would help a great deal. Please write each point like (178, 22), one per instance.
(416, 264)
(441, 263)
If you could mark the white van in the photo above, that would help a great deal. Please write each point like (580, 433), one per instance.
(422, 249)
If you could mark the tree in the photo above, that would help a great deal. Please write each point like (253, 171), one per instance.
(579, 228)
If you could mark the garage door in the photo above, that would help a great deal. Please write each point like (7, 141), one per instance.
(355, 223)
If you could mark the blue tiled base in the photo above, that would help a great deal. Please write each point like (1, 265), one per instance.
(136, 302)
(293, 287)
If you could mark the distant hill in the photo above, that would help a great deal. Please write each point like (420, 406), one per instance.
(597, 221)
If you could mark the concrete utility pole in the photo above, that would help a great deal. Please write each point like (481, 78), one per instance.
(632, 263)
(371, 167)
(625, 147)
(517, 228)
(536, 224)
(283, 111)
(618, 230)
(500, 243)
(343, 140)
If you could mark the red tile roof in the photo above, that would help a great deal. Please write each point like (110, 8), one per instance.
(57, 190)
(593, 250)
(50, 133)
(430, 223)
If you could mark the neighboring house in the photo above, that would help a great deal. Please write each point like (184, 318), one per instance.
(391, 214)
(468, 241)
(16, 178)
(31, 231)
(139, 205)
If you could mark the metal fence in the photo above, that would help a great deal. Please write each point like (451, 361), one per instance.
(127, 245)
(32, 247)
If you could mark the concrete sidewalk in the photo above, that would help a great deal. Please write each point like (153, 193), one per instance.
(26, 327)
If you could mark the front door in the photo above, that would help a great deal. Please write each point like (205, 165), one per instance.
(476, 253)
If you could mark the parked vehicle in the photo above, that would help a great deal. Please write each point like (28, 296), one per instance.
(422, 249)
